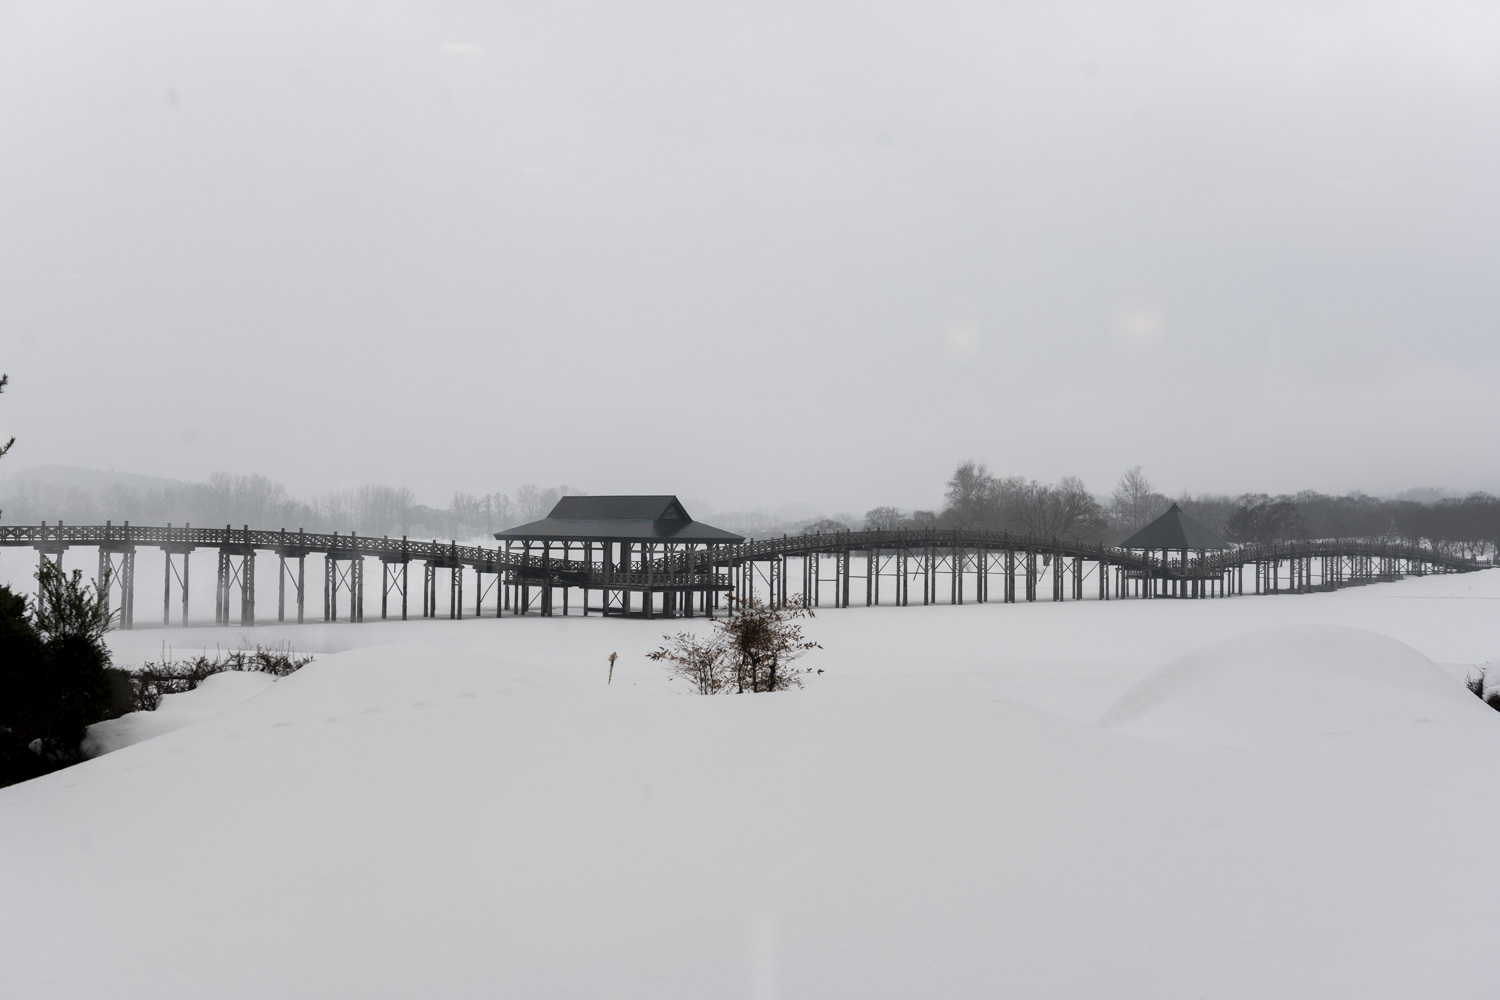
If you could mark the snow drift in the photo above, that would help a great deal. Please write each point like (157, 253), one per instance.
(1293, 683)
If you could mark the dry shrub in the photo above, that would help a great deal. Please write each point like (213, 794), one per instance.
(751, 650)
(156, 679)
(1477, 682)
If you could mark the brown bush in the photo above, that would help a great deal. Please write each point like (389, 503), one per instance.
(156, 679)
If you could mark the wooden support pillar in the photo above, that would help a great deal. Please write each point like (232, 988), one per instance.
(845, 555)
(929, 560)
(182, 581)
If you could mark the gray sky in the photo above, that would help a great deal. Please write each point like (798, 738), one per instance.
(757, 252)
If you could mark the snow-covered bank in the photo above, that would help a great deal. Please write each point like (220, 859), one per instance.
(465, 809)
(213, 695)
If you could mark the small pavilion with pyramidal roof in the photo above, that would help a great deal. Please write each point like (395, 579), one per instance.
(628, 539)
(1176, 533)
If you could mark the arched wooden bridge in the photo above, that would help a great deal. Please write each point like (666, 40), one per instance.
(948, 566)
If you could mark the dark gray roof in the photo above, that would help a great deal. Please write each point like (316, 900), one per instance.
(622, 508)
(1174, 530)
(619, 519)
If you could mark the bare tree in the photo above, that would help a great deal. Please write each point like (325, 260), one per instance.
(1078, 515)
(1012, 498)
(970, 494)
(369, 509)
(1064, 510)
(1208, 509)
(4, 381)
(502, 512)
(532, 502)
(468, 513)
(251, 499)
(884, 519)
(529, 500)
(1261, 518)
(390, 505)
(339, 507)
(1135, 502)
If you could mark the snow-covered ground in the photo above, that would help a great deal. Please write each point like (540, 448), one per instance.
(1261, 796)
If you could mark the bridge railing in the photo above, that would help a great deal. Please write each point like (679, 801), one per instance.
(704, 563)
(1209, 563)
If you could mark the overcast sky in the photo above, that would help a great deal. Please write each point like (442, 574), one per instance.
(753, 253)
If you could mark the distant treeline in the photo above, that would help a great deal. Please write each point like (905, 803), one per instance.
(238, 500)
(976, 498)
(1467, 526)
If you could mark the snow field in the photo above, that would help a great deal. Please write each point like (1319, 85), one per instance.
(465, 809)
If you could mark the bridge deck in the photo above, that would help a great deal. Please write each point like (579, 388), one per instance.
(679, 570)
(964, 557)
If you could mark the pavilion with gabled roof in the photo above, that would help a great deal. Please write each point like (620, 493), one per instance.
(632, 537)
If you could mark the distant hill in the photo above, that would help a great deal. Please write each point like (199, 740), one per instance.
(77, 476)
(1425, 494)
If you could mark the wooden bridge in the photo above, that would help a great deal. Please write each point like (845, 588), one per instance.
(948, 566)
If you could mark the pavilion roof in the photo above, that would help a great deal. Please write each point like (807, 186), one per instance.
(620, 519)
(1174, 531)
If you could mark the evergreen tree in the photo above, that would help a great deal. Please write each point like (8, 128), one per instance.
(55, 673)
(20, 656)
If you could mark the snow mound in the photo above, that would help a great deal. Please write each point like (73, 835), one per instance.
(215, 694)
(1292, 683)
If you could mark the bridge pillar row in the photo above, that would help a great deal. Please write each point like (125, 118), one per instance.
(118, 575)
(235, 569)
(172, 570)
(298, 582)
